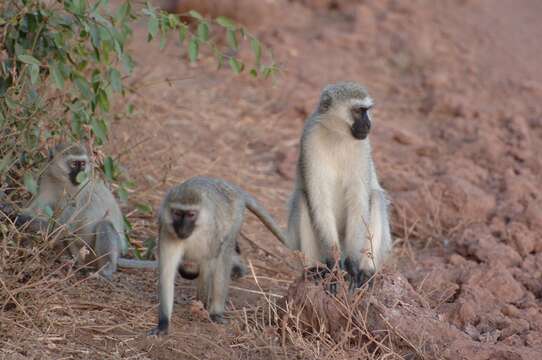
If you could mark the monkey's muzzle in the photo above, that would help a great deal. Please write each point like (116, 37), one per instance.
(361, 127)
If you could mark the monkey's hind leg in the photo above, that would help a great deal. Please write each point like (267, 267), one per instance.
(238, 269)
(219, 286)
(106, 248)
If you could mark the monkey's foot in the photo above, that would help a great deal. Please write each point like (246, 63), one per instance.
(238, 271)
(321, 273)
(106, 275)
(217, 318)
(157, 331)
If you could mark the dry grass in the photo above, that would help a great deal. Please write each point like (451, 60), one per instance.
(50, 309)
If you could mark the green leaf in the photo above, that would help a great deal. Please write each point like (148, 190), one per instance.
(231, 37)
(99, 128)
(236, 66)
(5, 163)
(83, 86)
(203, 31)
(28, 59)
(150, 244)
(144, 208)
(48, 211)
(225, 22)
(123, 194)
(127, 62)
(173, 20)
(152, 28)
(127, 224)
(267, 72)
(11, 104)
(81, 177)
(79, 6)
(183, 30)
(103, 101)
(129, 184)
(219, 59)
(256, 49)
(193, 48)
(137, 253)
(195, 14)
(116, 82)
(122, 12)
(95, 35)
(58, 78)
(30, 183)
(254, 72)
(34, 73)
(108, 168)
(77, 128)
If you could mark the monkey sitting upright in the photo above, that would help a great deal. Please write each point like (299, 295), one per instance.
(85, 205)
(338, 204)
(199, 222)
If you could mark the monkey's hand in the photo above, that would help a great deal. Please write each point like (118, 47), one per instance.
(7, 209)
(357, 277)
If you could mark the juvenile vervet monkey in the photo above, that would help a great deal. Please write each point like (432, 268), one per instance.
(83, 203)
(337, 205)
(199, 222)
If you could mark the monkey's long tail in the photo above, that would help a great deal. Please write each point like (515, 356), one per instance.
(137, 264)
(257, 209)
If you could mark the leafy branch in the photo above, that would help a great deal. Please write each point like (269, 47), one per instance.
(64, 62)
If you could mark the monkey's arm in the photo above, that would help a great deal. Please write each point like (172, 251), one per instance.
(319, 198)
(24, 220)
(357, 232)
(169, 258)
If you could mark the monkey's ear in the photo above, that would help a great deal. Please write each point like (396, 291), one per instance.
(325, 103)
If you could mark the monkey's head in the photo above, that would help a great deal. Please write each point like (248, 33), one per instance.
(67, 162)
(181, 212)
(347, 106)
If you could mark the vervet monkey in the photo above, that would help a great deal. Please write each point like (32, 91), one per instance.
(338, 205)
(68, 190)
(199, 222)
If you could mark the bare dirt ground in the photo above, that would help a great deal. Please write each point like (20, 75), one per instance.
(458, 123)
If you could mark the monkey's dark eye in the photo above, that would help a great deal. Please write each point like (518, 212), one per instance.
(358, 111)
(176, 213)
(191, 214)
(77, 164)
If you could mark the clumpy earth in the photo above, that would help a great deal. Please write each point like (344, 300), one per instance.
(458, 125)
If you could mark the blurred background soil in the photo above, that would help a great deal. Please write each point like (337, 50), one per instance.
(458, 121)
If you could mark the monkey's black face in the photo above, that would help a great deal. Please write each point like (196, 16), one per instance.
(362, 124)
(184, 222)
(76, 166)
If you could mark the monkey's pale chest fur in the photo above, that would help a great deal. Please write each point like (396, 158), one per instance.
(339, 163)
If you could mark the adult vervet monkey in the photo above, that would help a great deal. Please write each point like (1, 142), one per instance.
(68, 190)
(199, 222)
(338, 205)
